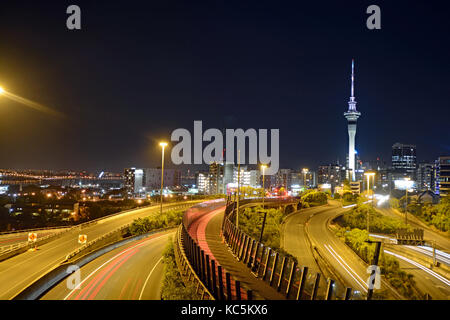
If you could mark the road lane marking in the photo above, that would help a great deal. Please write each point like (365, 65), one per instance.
(93, 272)
(142, 242)
(100, 286)
(338, 257)
(148, 277)
(104, 273)
(430, 272)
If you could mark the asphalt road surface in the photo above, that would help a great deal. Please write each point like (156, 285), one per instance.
(20, 271)
(14, 238)
(131, 272)
(349, 267)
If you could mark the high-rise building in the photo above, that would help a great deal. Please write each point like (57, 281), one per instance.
(188, 178)
(128, 175)
(172, 178)
(443, 176)
(134, 181)
(283, 178)
(216, 178)
(403, 161)
(250, 178)
(203, 182)
(228, 173)
(307, 178)
(352, 116)
(425, 176)
(329, 174)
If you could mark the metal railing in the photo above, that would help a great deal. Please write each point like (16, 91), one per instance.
(212, 281)
(279, 271)
(9, 248)
(19, 245)
(187, 270)
(32, 230)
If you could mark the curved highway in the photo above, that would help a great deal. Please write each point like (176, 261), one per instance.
(20, 271)
(131, 272)
(344, 261)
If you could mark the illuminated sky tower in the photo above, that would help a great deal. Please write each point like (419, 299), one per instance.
(352, 116)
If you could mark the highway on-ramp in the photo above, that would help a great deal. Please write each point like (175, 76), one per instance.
(131, 272)
(349, 267)
(18, 272)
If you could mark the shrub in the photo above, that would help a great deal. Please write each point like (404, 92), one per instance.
(173, 287)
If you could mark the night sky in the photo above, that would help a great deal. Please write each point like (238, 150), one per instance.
(140, 69)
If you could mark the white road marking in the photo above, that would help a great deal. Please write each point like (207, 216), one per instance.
(148, 277)
(349, 270)
(429, 271)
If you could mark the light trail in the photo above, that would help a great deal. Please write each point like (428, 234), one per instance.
(429, 271)
(350, 271)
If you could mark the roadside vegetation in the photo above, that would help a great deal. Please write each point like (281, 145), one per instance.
(403, 282)
(167, 219)
(437, 215)
(173, 287)
(251, 220)
(350, 228)
(313, 198)
(357, 218)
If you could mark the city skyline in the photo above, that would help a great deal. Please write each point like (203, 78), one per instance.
(297, 82)
(225, 151)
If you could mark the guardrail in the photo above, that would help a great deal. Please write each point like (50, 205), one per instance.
(10, 250)
(278, 270)
(119, 230)
(32, 230)
(211, 280)
(187, 270)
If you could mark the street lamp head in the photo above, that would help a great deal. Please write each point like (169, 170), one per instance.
(2, 90)
(305, 170)
(370, 174)
(163, 144)
(263, 166)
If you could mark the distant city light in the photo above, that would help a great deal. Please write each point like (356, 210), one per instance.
(403, 184)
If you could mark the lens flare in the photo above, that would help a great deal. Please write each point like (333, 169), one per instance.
(31, 104)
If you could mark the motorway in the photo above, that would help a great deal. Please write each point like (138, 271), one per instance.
(132, 272)
(344, 261)
(8, 239)
(312, 224)
(20, 271)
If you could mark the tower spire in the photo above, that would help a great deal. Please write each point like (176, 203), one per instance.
(352, 102)
(352, 116)
(353, 79)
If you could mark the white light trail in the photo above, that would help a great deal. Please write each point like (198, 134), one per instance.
(429, 271)
(347, 268)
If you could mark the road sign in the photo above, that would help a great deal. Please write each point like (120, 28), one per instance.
(414, 238)
(82, 239)
(32, 237)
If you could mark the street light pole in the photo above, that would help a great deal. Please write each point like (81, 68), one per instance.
(406, 207)
(163, 145)
(263, 167)
(369, 174)
(406, 202)
(368, 213)
(238, 190)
